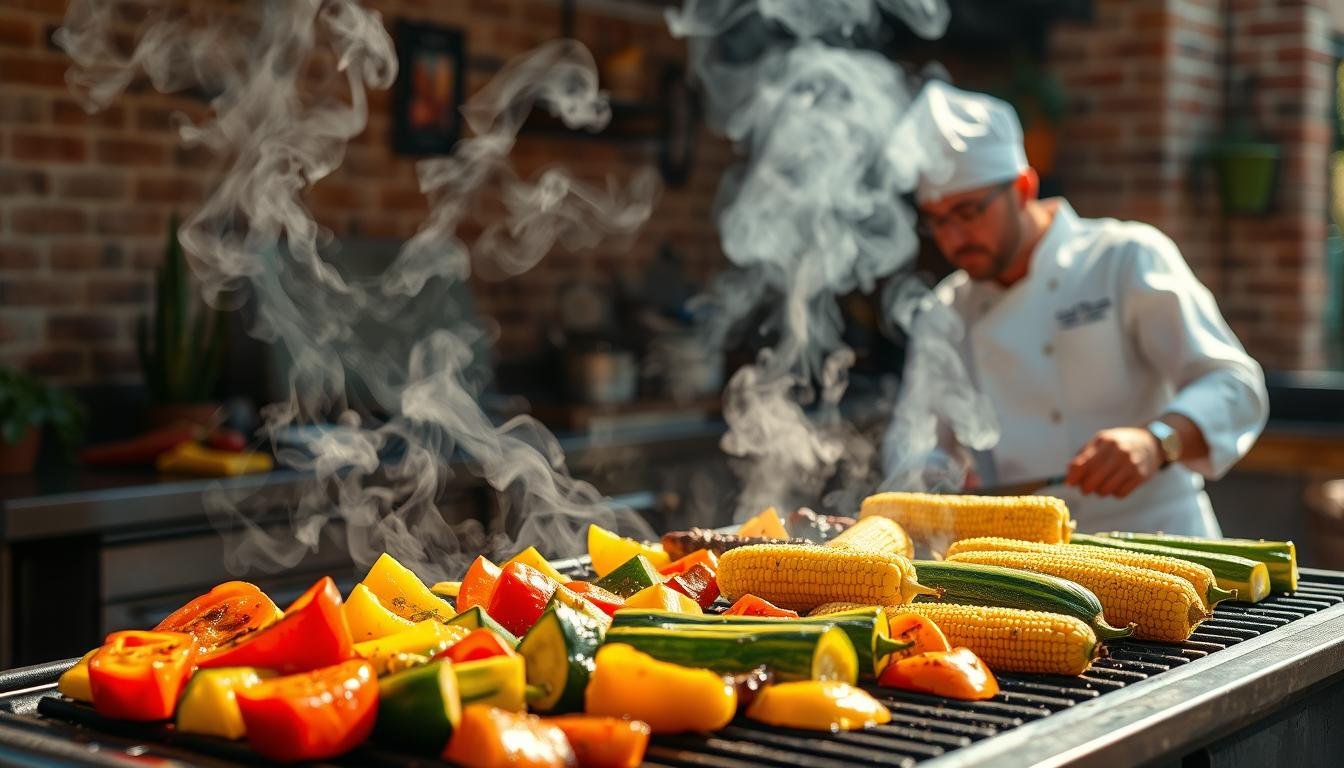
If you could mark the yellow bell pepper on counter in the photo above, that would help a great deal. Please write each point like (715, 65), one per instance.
(608, 550)
(660, 597)
(209, 705)
(404, 593)
(74, 682)
(192, 458)
(370, 619)
(670, 698)
(817, 705)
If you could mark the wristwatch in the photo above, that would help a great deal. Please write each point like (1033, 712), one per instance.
(1168, 439)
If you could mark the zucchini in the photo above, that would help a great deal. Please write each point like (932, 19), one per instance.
(867, 628)
(801, 652)
(500, 681)
(630, 577)
(1249, 577)
(418, 709)
(558, 651)
(476, 618)
(1279, 557)
(995, 586)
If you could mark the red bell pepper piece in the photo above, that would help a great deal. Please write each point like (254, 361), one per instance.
(751, 605)
(224, 614)
(140, 450)
(478, 644)
(698, 556)
(606, 601)
(311, 716)
(313, 633)
(697, 583)
(225, 439)
(139, 675)
(520, 596)
(478, 584)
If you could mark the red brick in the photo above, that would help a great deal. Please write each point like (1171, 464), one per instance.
(119, 290)
(334, 194)
(70, 112)
(195, 157)
(1299, 53)
(91, 186)
(115, 362)
(130, 152)
(18, 256)
(79, 255)
(56, 363)
(19, 108)
(29, 69)
(22, 181)
(36, 147)
(130, 222)
(81, 327)
(38, 291)
(19, 328)
(175, 189)
(17, 33)
(48, 220)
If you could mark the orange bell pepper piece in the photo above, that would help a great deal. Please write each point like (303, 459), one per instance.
(604, 742)
(140, 675)
(478, 584)
(489, 737)
(225, 613)
(698, 557)
(956, 674)
(751, 605)
(478, 644)
(312, 634)
(923, 635)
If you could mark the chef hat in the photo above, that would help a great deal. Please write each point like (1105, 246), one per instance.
(972, 140)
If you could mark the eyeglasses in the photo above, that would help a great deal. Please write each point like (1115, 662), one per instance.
(963, 216)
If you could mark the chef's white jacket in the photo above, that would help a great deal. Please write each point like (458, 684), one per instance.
(1109, 328)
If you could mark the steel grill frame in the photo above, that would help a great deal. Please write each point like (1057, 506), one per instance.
(1130, 707)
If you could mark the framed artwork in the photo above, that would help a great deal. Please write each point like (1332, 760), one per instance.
(428, 93)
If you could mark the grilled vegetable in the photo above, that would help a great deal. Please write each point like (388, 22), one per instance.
(803, 523)
(558, 652)
(956, 674)
(499, 681)
(313, 715)
(937, 520)
(520, 595)
(920, 632)
(679, 544)
(478, 644)
(418, 709)
(605, 601)
(402, 591)
(698, 557)
(609, 550)
(139, 675)
(630, 577)
(661, 597)
(224, 614)
(476, 618)
(631, 684)
(477, 584)
(866, 627)
(489, 737)
(74, 682)
(816, 705)
(604, 742)
(767, 525)
(192, 458)
(425, 639)
(1165, 608)
(875, 534)
(974, 584)
(751, 605)
(791, 651)
(1278, 557)
(1198, 575)
(370, 619)
(209, 704)
(312, 634)
(698, 583)
(801, 578)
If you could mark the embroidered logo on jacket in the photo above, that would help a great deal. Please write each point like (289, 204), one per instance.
(1083, 312)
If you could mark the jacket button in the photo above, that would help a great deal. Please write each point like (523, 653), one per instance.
(1049, 350)
(1056, 416)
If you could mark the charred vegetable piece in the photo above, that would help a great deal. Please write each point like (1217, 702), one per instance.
(488, 737)
(313, 715)
(607, 602)
(630, 684)
(559, 651)
(920, 632)
(956, 674)
(224, 614)
(751, 605)
(139, 675)
(630, 577)
(803, 523)
(749, 684)
(679, 544)
(312, 634)
(697, 583)
(424, 639)
(404, 593)
(699, 556)
(604, 742)
(370, 619)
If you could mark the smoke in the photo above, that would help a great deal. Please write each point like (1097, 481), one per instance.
(287, 84)
(815, 210)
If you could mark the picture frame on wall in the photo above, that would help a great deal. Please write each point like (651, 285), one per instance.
(427, 99)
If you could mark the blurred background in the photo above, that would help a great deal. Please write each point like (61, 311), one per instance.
(1218, 121)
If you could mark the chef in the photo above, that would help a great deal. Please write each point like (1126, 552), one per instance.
(1106, 359)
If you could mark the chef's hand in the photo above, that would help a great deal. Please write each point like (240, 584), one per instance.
(1115, 462)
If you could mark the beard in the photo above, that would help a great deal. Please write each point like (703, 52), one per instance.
(994, 260)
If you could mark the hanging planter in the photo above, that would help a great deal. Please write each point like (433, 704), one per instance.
(1247, 175)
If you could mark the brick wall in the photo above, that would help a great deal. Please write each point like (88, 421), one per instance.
(1146, 85)
(85, 200)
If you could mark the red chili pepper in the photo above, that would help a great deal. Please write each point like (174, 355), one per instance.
(312, 634)
(477, 584)
(608, 602)
(520, 596)
(697, 583)
(751, 605)
(311, 716)
(478, 644)
(139, 675)
(140, 450)
(698, 556)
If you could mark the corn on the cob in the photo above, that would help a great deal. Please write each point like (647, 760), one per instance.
(875, 534)
(1008, 639)
(1165, 607)
(936, 520)
(1199, 576)
(803, 577)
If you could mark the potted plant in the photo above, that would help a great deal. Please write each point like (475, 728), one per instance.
(1245, 163)
(26, 406)
(181, 354)
(1038, 97)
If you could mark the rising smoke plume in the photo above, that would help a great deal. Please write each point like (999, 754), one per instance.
(287, 84)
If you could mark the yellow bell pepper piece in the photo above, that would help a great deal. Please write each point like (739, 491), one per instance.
(446, 589)
(532, 557)
(817, 705)
(74, 682)
(424, 638)
(610, 550)
(192, 458)
(370, 619)
(661, 597)
(766, 525)
(670, 698)
(402, 591)
(209, 705)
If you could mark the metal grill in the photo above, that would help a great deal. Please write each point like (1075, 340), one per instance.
(34, 720)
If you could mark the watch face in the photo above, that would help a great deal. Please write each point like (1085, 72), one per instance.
(1168, 438)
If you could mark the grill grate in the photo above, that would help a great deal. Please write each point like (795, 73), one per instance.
(922, 726)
